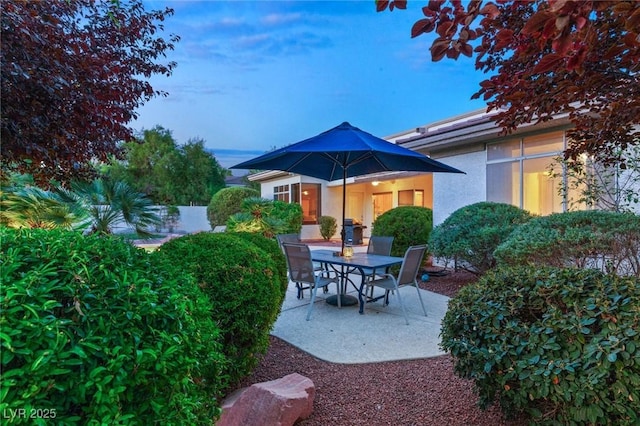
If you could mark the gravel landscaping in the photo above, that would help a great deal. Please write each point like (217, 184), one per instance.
(414, 392)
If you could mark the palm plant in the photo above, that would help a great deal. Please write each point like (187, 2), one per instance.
(32, 207)
(110, 203)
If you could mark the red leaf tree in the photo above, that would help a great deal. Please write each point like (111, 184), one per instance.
(73, 74)
(548, 56)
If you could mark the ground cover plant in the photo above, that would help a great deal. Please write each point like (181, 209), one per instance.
(561, 345)
(94, 332)
(470, 235)
(603, 240)
(245, 285)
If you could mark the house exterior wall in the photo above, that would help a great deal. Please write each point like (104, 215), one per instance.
(460, 142)
(452, 191)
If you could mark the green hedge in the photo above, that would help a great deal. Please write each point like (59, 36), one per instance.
(561, 345)
(246, 286)
(226, 203)
(603, 240)
(409, 225)
(470, 235)
(96, 333)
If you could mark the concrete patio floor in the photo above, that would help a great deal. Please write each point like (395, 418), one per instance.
(342, 335)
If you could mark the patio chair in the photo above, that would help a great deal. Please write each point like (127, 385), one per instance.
(302, 271)
(377, 245)
(295, 238)
(406, 277)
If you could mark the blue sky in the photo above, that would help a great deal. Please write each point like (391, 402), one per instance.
(257, 75)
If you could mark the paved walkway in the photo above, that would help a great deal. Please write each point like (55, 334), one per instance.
(342, 335)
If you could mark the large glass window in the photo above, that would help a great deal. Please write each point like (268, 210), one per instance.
(308, 195)
(518, 173)
(411, 197)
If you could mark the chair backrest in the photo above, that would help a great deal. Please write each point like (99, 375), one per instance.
(410, 265)
(299, 262)
(380, 245)
(287, 238)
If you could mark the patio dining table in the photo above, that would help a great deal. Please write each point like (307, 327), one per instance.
(346, 266)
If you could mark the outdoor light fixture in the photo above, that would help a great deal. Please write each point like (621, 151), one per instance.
(348, 251)
(375, 183)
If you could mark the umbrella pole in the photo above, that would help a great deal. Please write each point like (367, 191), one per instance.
(344, 201)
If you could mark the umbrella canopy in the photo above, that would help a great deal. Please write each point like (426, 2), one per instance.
(343, 152)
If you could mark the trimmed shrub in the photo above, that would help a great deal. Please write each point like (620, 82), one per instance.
(603, 240)
(267, 217)
(328, 226)
(94, 332)
(471, 234)
(561, 345)
(273, 250)
(226, 203)
(409, 225)
(290, 214)
(246, 287)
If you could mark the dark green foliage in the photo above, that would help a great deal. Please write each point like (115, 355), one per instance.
(227, 202)
(246, 288)
(471, 234)
(561, 345)
(273, 250)
(169, 173)
(97, 332)
(410, 225)
(328, 226)
(266, 217)
(290, 214)
(585, 239)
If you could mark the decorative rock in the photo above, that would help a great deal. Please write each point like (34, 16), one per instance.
(279, 402)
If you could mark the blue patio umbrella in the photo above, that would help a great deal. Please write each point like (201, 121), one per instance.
(342, 152)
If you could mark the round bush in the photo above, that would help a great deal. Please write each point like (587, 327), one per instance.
(273, 250)
(471, 234)
(603, 240)
(561, 345)
(409, 225)
(328, 226)
(246, 287)
(95, 333)
(227, 202)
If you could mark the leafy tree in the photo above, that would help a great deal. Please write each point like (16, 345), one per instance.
(73, 74)
(148, 166)
(169, 174)
(578, 57)
(198, 175)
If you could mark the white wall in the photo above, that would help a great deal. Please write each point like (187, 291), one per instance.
(193, 219)
(452, 191)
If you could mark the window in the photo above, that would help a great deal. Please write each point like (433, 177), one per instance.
(308, 195)
(382, 202)
(281, 193)
(518, 173)
(411, 197)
